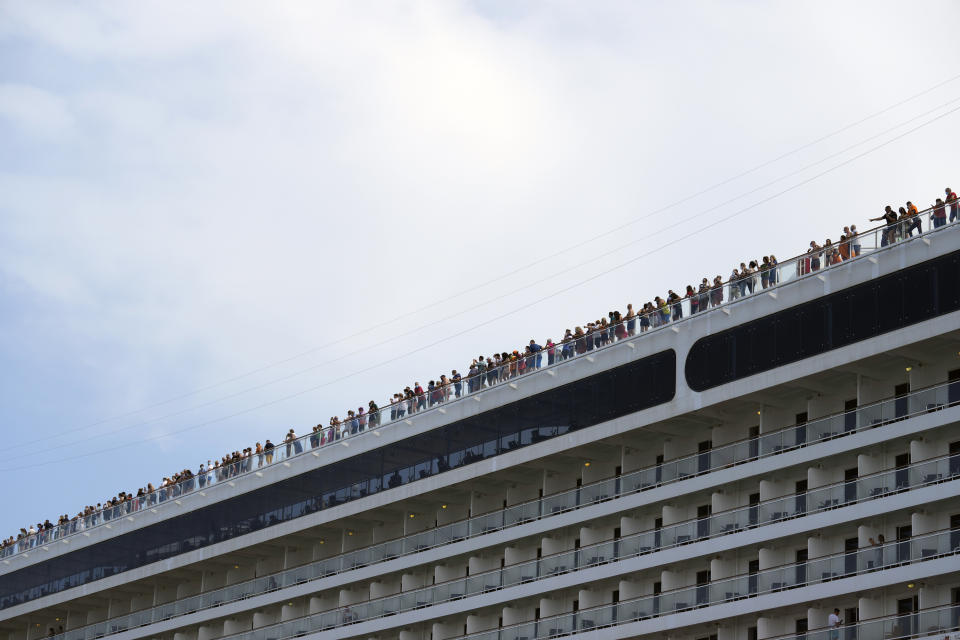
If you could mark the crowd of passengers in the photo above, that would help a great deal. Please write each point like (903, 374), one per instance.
(485, 372)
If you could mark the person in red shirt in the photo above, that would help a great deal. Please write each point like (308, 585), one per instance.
(939, 214)
(954, 205)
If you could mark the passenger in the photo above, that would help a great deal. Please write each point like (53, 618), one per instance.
(734, 285)
(704, 302)
(664, 310)
(716, 292)
(676, 302)
(834, 622)
(814, 252)
(831, 255)
(620, 326)
(891, 219)
(631, 319)
(421, 398)
(693, 299)
(745, 280)
(751, 275)
(457, 384)
(581, 340)
(843, 248)
(938, 216)
(764, 272)
(538, 356)
(914, 215)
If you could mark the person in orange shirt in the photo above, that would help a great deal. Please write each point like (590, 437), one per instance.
(913, 220)
(844, 248)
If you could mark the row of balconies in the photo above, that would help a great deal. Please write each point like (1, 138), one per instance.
(571, 550)
(639, 596)
(210, 588)
(570, 491)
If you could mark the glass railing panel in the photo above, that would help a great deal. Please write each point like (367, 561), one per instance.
(521, 513)
(733, 521)
(637, 609)
(672, 601)
(727, 455)
(391, 549)
(771, 443)
(825, 569)
(730, 589)
(638, 480)
(825, 428)
(779, 509)
(602, 553)
(682, 533)
(486, 523)
(596, 618)
(559, 503)
(688, 467)
(826, 497)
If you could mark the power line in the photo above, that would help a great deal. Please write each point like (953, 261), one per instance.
(497, 298)
(508, 313)
(503, 276)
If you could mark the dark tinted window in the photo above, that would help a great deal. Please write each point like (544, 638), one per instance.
(898, 300)
(632, 387)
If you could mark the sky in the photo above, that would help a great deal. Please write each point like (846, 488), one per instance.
(222, 220)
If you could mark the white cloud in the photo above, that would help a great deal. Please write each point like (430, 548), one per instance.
(34, 110)
(239, 182)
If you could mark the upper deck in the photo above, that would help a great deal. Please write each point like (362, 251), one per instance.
(672, 369)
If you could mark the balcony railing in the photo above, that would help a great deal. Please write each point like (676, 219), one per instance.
(805, 265)
(937, 623)
(817, 571)
(768, 444)
(921, 623)
(687, 532)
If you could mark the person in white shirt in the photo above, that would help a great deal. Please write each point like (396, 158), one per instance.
(834, 622)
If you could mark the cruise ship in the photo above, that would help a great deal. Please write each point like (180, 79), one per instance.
(782, 451)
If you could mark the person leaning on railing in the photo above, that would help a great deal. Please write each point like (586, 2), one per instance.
(939, 215)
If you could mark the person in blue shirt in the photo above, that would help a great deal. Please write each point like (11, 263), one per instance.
(535, 348)
(457, 385)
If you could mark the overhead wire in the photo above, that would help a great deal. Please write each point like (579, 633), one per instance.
(461, 292)
(476, 305)
(509, 313)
